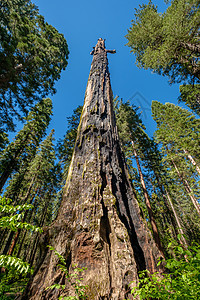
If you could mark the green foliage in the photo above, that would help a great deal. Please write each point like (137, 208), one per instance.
(3, 140)
(13, 216)
(32, 56)
(181, 280)
(35, 185)
(19, 152)
(47, 176)
(167, 43)
(132, 135)
(13, 269)
(190, 94)
(178, 131)
(178, 135)
(14, 264)
(176, 128)
(129, 122)
(65, 146)
(73, 279)
(11, 284)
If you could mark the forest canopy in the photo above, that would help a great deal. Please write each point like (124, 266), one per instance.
(168, 43)
(32, 55)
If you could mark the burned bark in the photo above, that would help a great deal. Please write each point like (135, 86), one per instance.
(99, 224)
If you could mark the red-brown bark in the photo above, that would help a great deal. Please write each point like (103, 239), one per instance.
(147, 201)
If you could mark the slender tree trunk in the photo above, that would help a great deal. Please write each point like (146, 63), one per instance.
(192, 161)
(14, 241)
(8, 243)
(167, 216)
(169, 211)
(182, 240)
(27, 249)
(31, 247)
(24, 199)
(21, 244)
(35, 244)
(168, 200)
(3, 235)
(165, 193)
(147, 201)
(187, 188)
(33, 250)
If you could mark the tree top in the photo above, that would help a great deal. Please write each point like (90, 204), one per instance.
(100, 47)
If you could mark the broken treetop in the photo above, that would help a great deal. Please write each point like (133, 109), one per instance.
(100, 47)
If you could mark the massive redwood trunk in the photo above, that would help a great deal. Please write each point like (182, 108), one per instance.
(99, 224)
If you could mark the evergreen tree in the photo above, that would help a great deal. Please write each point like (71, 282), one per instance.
(190, 94)
(38, 188)
(179, 130)
(3, 140)
(24, 147)
(178, 133)
(32, 56)
(168, 43)
(46, 184)
(131, 132)
(65, 146)
(159, 176)
(155, 178)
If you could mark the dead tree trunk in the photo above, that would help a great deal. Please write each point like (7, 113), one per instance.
(99, 224)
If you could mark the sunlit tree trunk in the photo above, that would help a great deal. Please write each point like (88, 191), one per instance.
(192, 161)
(187, 188)
(99, 224)
(147, 200)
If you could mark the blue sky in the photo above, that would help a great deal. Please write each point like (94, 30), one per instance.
(82, 23)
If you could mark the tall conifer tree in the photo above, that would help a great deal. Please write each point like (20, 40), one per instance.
(65, 146)
(32, 56)
(168, 43)
(39, 188)
(23, 148)
(131, 131)
(178, 133)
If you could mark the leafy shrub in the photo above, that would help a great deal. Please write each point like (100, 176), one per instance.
(181, 281)
(13, 276)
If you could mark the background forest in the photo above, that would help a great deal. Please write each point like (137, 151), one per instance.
(164, 165)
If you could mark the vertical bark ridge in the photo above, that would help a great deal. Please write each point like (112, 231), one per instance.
(99, 224)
